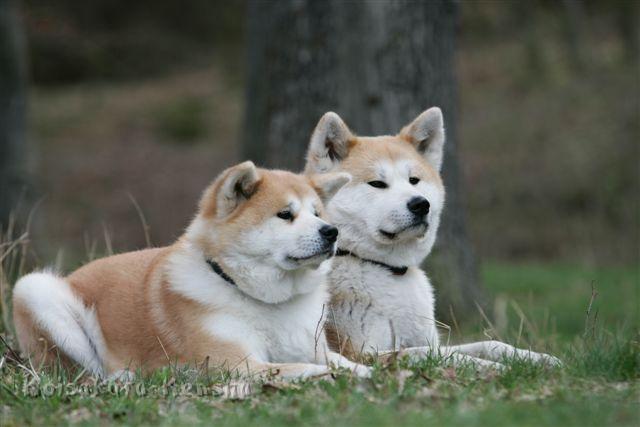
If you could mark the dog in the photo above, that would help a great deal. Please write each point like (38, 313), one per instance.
(388, 217)
(244, 287)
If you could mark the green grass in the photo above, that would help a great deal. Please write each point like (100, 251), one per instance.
(597, 386)
(555, 297)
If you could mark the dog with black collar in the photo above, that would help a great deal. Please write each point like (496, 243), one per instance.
(388, 217)
(244, 288)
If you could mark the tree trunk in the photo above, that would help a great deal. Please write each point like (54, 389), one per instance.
(575, 21)
(628, 20)
(376, 63)
(12, 107)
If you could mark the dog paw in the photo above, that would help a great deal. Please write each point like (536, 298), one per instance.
(314, 371)
(362, 371)
(123, 375)
(483, 365)
(548, 360)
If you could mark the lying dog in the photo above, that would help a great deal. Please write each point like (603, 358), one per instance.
(241, 287)
(388, 216)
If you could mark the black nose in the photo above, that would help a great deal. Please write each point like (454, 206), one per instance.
(329, 233)
(419, 206)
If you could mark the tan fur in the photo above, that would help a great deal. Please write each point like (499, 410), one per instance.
(144, 323)
(367, 151)
(271, 196)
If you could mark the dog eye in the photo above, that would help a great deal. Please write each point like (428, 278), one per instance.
(414, 180)
(286, 215)
(378, 184)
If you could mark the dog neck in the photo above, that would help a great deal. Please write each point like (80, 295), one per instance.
(408, 253)
(395, 270)
(218, 270)
(261, 282)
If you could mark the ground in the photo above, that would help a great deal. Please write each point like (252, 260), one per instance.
(544, 306)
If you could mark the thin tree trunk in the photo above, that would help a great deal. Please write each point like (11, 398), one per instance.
(12, 107)
(376, 63)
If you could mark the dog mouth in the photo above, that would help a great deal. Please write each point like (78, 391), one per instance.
(327, 253)
(393, 235)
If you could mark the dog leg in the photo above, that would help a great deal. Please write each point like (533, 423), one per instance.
(339, 361)
(455, 357)
(288, 371)
(496, 351)
(416, 354)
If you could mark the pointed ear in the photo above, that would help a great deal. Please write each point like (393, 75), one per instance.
(327, 185)
(234, 186)
(329, 144)
(426, 134)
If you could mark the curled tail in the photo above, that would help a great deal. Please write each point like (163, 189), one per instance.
(46, 307)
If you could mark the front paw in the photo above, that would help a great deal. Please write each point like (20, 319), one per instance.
(123, 375)
(314, 371)
(356, 369)
(546, 359)
(362, 371)
(484, 366)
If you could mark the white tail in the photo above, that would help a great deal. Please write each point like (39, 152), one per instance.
(55, 309)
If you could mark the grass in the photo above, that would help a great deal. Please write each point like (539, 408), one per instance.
(429, 393)
(539, 305)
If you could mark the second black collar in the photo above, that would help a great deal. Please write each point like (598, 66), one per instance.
(396, 271)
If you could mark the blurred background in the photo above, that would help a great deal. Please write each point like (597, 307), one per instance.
(136, 106)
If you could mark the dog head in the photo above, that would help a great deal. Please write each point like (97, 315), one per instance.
(264, 225)
(391, 209)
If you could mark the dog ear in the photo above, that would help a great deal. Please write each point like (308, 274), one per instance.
(327, 185)
(426, 134)
(234, 186)
(329, 144)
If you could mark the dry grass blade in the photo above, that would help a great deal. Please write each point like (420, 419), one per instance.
(594, 294)
(89, 247)
(143, 220)
(533, 329)
(163, 349)
(454, 320)
(11, 352)
(486, 319)
(107, 239)
(13, 245)
(319, 330)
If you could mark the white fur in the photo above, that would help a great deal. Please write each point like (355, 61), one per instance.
(73, 327)
(376, 310)
(382, 311)
(360, 212)
(260, 261)
(289, 331)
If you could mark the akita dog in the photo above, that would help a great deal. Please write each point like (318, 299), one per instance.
(388, 217)
(243, 287)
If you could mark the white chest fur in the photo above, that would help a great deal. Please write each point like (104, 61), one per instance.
(285, 332)
(379, 310)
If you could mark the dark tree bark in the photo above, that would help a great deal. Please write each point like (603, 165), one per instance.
(628, 20)
(376, 63)
(575, 21)
(12, 107)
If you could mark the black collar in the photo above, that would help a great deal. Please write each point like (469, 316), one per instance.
(218, 270)
(396, 271)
